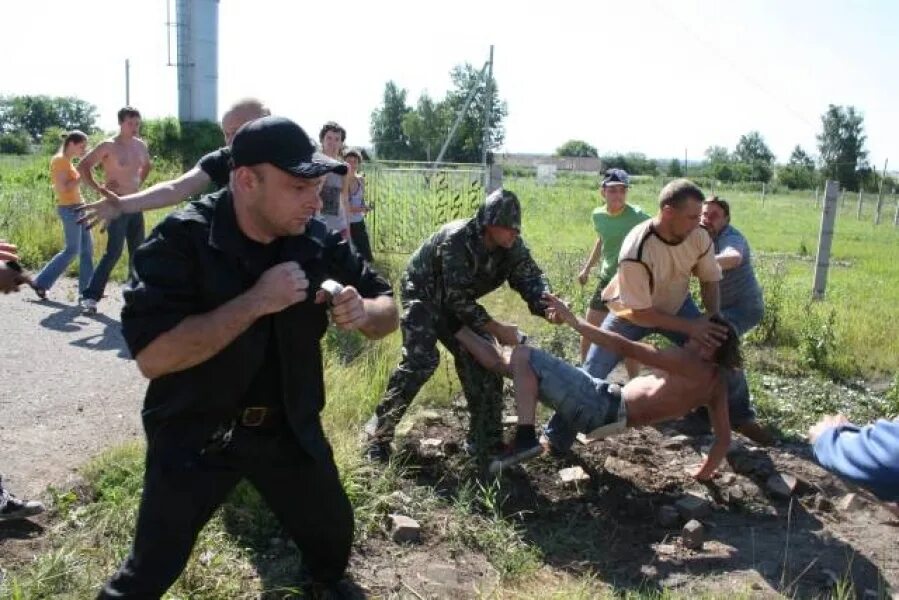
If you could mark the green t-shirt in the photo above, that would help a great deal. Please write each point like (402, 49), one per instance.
(612, 229)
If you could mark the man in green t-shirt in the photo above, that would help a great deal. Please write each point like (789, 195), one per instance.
(612, 222)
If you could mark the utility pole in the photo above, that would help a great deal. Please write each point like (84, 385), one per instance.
(461, 115)
(127, 82)
(825, 238)
(880, 193)
(488, 107)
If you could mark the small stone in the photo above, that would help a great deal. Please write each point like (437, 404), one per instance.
(430, 417)
(207, 557)
(80, 408)
(782, 485)
(430, 442)
(648, 571)
(735, 494)
(850, 503)
(693, 534)
(727, 478)
(584, 439)
(668, 516)
(404, 529)
(510, 419)
(675, 443)
(573, 475)
(692, 506)
(822, 503)
(666, 549)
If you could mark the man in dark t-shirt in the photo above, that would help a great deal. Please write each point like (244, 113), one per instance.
(214, 168)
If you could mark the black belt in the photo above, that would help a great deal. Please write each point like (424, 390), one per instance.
(261, 416)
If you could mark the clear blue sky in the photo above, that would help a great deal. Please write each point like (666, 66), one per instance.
(646, 75)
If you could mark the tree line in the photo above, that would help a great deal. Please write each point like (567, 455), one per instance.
(841, 147)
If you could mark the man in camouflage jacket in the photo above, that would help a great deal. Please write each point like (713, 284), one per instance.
(464, 260)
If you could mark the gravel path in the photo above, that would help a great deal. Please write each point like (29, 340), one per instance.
(68, 387)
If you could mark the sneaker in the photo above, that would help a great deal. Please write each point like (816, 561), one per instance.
(514, 454)
(19, 509)
(39, 291)
(88, 306)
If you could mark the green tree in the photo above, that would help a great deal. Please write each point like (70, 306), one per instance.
(577, 148)
(721, 165)
(752, 153)
(36, 114)
(674, 169)
(426, 128)
(14, 142)
(799, 172)
(389, 139)
(841, 145)
(634, 163)
(468, 142)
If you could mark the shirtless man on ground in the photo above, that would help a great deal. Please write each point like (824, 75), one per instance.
(683, 379)
(125, 162)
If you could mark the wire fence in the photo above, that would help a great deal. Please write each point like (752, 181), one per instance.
(412, 200)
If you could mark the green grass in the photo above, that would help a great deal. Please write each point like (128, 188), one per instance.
(792, 362)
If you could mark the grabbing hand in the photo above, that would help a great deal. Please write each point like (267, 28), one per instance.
(280, 286)
(826, 422)
(558, 311)
(103, 211)
(707, 333)
(347, 308)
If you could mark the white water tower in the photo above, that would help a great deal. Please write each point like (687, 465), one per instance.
(197, 24)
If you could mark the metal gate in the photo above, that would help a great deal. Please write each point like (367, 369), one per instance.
(412, 200)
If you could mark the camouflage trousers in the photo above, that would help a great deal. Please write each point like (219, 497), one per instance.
(422, 326)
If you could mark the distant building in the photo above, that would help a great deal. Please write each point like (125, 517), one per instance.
(562, 163)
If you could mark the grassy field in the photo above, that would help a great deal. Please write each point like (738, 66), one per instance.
(850, 336)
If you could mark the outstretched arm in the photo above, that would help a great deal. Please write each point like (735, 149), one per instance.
(671, 360)
(720, 419)
(164, 193)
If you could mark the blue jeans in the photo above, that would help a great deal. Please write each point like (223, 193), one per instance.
(77, 243)
(744, 317)
(127, 228)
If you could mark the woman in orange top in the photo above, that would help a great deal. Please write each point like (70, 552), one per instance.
(65, 181)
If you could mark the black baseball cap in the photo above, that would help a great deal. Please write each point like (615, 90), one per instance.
(616, 177)
(283, 144)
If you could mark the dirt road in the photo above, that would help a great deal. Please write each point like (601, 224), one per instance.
(68, 386)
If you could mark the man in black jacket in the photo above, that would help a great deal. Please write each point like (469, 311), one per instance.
(223, 321)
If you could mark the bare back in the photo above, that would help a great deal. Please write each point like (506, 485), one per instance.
(663, 396)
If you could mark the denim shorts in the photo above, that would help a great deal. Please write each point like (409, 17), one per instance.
(591, 406)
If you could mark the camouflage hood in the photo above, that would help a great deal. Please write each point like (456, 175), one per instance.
(501, 208)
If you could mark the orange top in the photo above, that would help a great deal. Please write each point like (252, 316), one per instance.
(60, 166)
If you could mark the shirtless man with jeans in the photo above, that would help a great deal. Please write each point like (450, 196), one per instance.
(126, 163)
(213, 168)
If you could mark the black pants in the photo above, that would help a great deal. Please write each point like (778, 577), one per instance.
(183, 486)
(359, 235)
